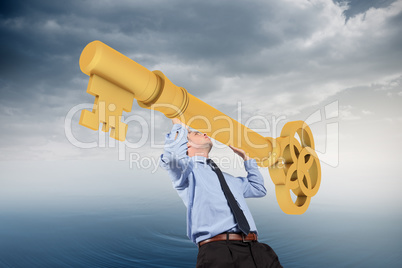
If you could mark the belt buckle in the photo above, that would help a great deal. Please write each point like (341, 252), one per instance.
(243, 236)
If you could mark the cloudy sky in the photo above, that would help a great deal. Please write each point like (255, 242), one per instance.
(278, 60)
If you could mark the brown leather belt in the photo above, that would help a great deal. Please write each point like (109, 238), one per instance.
(230, 236)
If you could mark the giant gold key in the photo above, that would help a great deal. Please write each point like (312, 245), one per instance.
(116, 80)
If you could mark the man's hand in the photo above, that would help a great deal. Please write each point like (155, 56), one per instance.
(240, 153)
(177, 121)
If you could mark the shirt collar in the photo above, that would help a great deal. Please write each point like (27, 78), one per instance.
(200, 159)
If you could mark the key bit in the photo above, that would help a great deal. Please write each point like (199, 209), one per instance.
(110, 102)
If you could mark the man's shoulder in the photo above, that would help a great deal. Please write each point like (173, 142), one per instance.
(229, 176)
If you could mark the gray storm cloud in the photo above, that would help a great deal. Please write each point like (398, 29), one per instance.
(276, 57)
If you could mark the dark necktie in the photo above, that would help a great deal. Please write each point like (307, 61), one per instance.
(237, 212)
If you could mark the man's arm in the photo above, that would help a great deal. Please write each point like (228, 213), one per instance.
(253, 184)
(174, 158)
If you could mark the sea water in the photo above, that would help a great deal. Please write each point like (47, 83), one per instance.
(126, 221)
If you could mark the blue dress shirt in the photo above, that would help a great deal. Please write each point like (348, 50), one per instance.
(208, 212)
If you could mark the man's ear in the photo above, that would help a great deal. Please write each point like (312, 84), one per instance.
(188, 145)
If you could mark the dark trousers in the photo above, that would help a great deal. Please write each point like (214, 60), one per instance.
(236, 254)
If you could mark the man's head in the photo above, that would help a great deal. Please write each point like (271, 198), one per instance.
(198, 144)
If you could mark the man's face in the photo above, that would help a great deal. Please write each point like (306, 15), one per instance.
(198, 139)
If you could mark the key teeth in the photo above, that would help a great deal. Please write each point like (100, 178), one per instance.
(120, 132)
(89, 119)
(110, 102)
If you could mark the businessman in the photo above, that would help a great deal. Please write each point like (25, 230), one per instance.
(219, 221)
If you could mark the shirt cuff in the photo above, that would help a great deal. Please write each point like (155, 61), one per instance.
(182, 133)
(177, 127)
